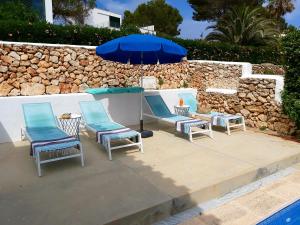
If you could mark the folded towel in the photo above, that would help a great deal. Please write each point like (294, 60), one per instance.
(184, 126)
(53, 144)
(101, 134)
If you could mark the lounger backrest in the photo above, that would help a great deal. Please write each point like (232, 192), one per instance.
(158, 106)
(93, 112)
(189, 100)
(38, 115)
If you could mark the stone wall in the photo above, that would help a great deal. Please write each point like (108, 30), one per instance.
(255, 98)
(255, 101)
(37, 70)
(212, 75)
(268, 68)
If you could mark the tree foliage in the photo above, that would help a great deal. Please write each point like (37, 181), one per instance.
(244, 25)
(278, 8)
(291, 93)
(42, 32)
(206, 10)
(72, 11)
(164, 17)
(213, 10)
(17, 11)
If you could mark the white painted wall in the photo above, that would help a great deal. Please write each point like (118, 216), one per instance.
(170, 96)
(100, 18)
(48, 11)
(123, 108)
(148, 30)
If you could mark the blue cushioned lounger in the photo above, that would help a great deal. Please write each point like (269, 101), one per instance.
(44, 134)
(160, 111)
(219, 119)
(99, 122)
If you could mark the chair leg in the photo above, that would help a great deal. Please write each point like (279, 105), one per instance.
(210, 131)
(109, 149)
(81, 154)
(190, 135)
(141, 143)
(38, 164)
(244, 125)
(228, 127)
(22, 135)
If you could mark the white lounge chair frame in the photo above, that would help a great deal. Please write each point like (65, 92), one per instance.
(39, 162)
(227, 122)
(207, 132)
(108, 146)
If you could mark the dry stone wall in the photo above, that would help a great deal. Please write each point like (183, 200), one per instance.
(255, 101)
(38, 70)
(255, 98)
(268, 68)
(212, 75)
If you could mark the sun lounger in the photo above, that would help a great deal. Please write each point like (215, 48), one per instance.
(183, 124)
(217, 119)
(45, 136)
(98, 121)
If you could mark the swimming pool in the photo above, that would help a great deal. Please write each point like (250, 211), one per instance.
(289, 215)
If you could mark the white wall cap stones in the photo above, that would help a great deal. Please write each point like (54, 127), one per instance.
(46, 44)
(222, 91)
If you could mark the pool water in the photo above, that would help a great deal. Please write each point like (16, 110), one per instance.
(289, 215)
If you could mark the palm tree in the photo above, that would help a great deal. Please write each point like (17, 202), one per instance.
(279, 8)
(72, 11)
(244, 25)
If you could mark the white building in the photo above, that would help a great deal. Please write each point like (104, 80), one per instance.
(48, 11)
(97, 18)
(148, 30)
(101, 18)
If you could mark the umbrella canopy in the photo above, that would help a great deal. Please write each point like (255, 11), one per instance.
(141, 49)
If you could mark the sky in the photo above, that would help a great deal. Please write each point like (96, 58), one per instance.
(190, 29)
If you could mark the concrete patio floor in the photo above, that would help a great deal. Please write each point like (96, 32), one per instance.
(171, 176)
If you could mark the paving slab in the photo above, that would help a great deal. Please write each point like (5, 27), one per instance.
(253, 207)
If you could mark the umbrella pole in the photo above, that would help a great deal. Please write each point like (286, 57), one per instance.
(141, 99)
(142, 94)
(144, 133)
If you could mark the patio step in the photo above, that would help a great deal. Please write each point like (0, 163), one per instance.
(188, 200)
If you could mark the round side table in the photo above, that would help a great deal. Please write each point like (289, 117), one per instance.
(182, 110)
(70, 125)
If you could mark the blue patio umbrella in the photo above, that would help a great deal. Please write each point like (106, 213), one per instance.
(140, 49)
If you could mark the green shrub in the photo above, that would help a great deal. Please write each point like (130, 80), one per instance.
(42, 32)
(17, 11)
(268, 71)
(202, 50)
(291, 93)
(160, 81)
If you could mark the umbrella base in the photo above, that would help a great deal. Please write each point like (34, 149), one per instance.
(146, 133)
